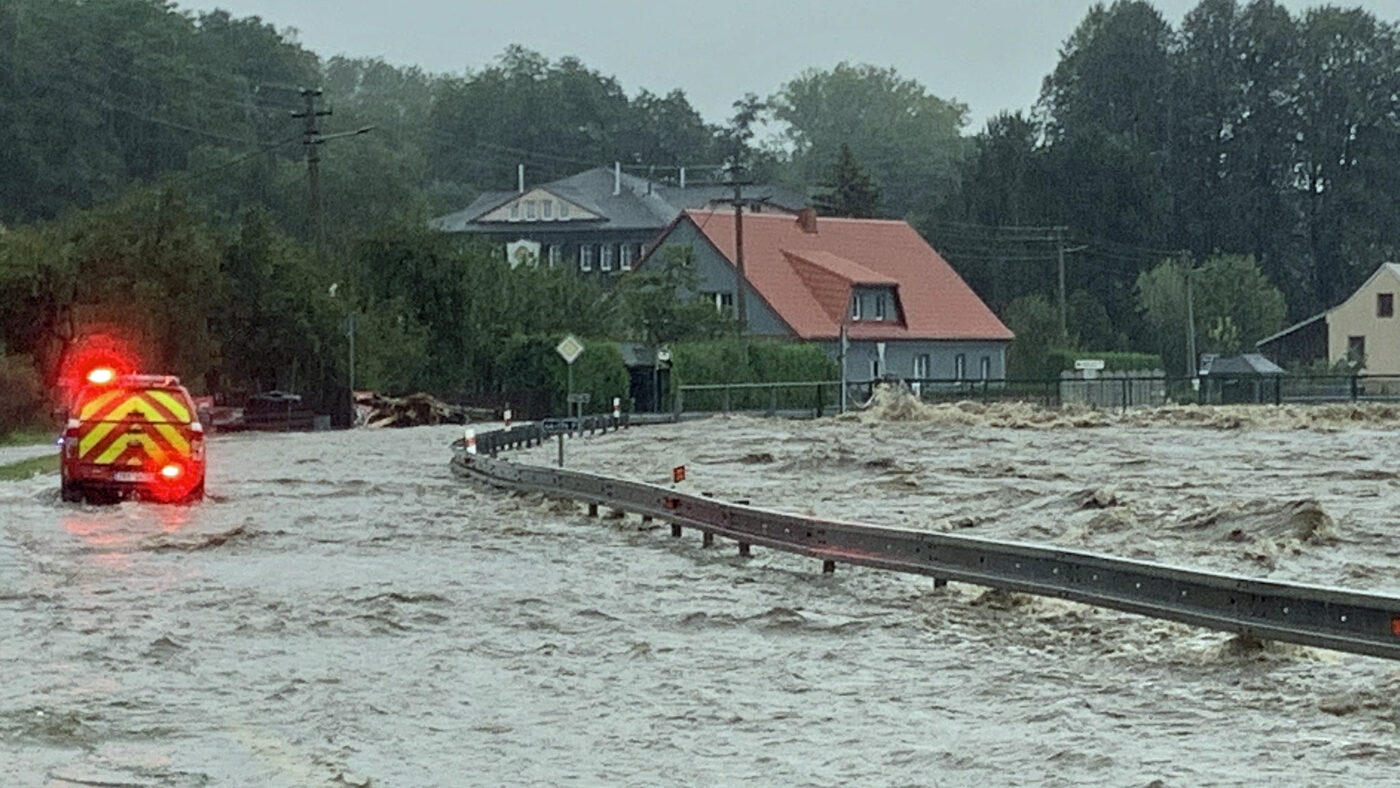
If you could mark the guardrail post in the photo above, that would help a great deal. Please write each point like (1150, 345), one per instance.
(940, 582)
(819, 400)
(828, 567)
(675, 530)
(593, 510)
(744, 549)
(708, 540)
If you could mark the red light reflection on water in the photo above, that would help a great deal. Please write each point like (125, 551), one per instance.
(113, 533)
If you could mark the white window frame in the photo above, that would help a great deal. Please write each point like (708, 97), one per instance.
(585, 257)
(624, 261)
(563, 210)
(921, 366)
(547, 210)
(855, 306)
(530, 213)
(960, 366)
(555, 253)
(880, 306)
(986, 368)
(605, 257)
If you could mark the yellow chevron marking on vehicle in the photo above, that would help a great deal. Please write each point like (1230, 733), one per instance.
(94, 436)
(98, 403)
(173, 437)
(153, 449)
(171, 403)
(138, 406)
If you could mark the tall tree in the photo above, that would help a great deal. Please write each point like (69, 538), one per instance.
(910, 140)
(851, 190)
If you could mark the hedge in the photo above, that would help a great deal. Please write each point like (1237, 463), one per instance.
(723, 361)
(529, 368)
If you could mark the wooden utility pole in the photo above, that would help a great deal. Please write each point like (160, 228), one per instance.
(741, 281)
(1064, 308)
(311, 140)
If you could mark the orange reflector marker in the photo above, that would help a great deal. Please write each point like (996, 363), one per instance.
(101, 376)
(1395, 625)
(171, 471)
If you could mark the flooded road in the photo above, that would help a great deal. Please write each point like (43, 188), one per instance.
(345, 612)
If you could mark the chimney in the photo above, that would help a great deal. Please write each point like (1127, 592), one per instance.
(807, 220)
(520, 177)
(617, 178)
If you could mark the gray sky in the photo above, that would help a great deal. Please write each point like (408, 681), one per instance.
(989, 54)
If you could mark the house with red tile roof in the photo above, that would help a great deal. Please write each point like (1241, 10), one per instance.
(906, 312)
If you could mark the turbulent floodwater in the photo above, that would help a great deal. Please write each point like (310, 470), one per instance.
(344, 611)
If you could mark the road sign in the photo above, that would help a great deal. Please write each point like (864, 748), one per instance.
(569, 349)
(1088, 363)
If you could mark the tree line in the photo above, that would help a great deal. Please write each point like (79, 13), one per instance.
(151, 154)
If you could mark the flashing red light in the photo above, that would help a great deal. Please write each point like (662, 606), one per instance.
(101, 376)
(171, 471)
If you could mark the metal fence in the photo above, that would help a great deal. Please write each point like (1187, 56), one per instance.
(1111, 390)
(1358, 622)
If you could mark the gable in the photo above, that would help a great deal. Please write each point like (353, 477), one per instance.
(538, 205)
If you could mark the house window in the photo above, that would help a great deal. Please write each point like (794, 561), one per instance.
(625, 261)
(554, 254)
(585, 257)
(530, 210)
(874, 369)
(724, 301)
(921, 366)
(1356, 350)
(547, 209)
(1385, 305)
(986, 367)
(563, 210)
(605, 259)
(960, 366)
(515, 212)
(855, 306)
(880, 306)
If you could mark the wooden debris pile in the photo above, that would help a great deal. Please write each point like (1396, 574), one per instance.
(376, 410)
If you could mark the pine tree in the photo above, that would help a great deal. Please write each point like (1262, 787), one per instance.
(852, 192)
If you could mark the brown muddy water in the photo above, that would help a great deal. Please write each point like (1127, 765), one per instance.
(344, 611)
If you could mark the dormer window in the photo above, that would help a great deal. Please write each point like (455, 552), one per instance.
(855, 306)
(563, 210)
(547, 209)
(529, 210)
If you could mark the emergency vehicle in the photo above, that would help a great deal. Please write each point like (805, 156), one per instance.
(132, 436)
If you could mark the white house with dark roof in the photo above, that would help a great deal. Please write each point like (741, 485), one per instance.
(599, 222)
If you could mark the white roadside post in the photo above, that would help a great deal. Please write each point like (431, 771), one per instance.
(471, 441)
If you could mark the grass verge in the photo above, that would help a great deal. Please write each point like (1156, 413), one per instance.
(27, 468)
(26, 437)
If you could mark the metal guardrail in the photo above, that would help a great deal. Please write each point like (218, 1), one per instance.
(1352, 621)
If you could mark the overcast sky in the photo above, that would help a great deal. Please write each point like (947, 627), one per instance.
(989, 54)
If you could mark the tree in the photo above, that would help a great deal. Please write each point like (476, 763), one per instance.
(1233, 302)
(852, 191)
(910, 140)
(659, 304)
(1035, 322)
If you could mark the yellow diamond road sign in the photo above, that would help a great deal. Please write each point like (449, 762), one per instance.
(569, 348)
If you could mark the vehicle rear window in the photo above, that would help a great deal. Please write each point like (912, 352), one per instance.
(155, 405)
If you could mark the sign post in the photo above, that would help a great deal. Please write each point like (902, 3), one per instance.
(569, 349)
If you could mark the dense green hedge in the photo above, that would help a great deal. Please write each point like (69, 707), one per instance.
(530, 364)
(749, 361)
(1113, 361)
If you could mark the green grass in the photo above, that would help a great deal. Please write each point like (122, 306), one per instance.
(27, 468)
(26, 437)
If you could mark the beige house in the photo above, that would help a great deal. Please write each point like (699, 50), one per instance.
(1365, 327)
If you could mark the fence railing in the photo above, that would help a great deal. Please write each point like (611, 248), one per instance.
(1110, 390)
(1359, 622)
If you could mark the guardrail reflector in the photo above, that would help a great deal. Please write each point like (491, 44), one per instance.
(678, 474)
(1395, 625)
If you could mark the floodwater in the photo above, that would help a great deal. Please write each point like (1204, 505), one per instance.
(343, 611)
